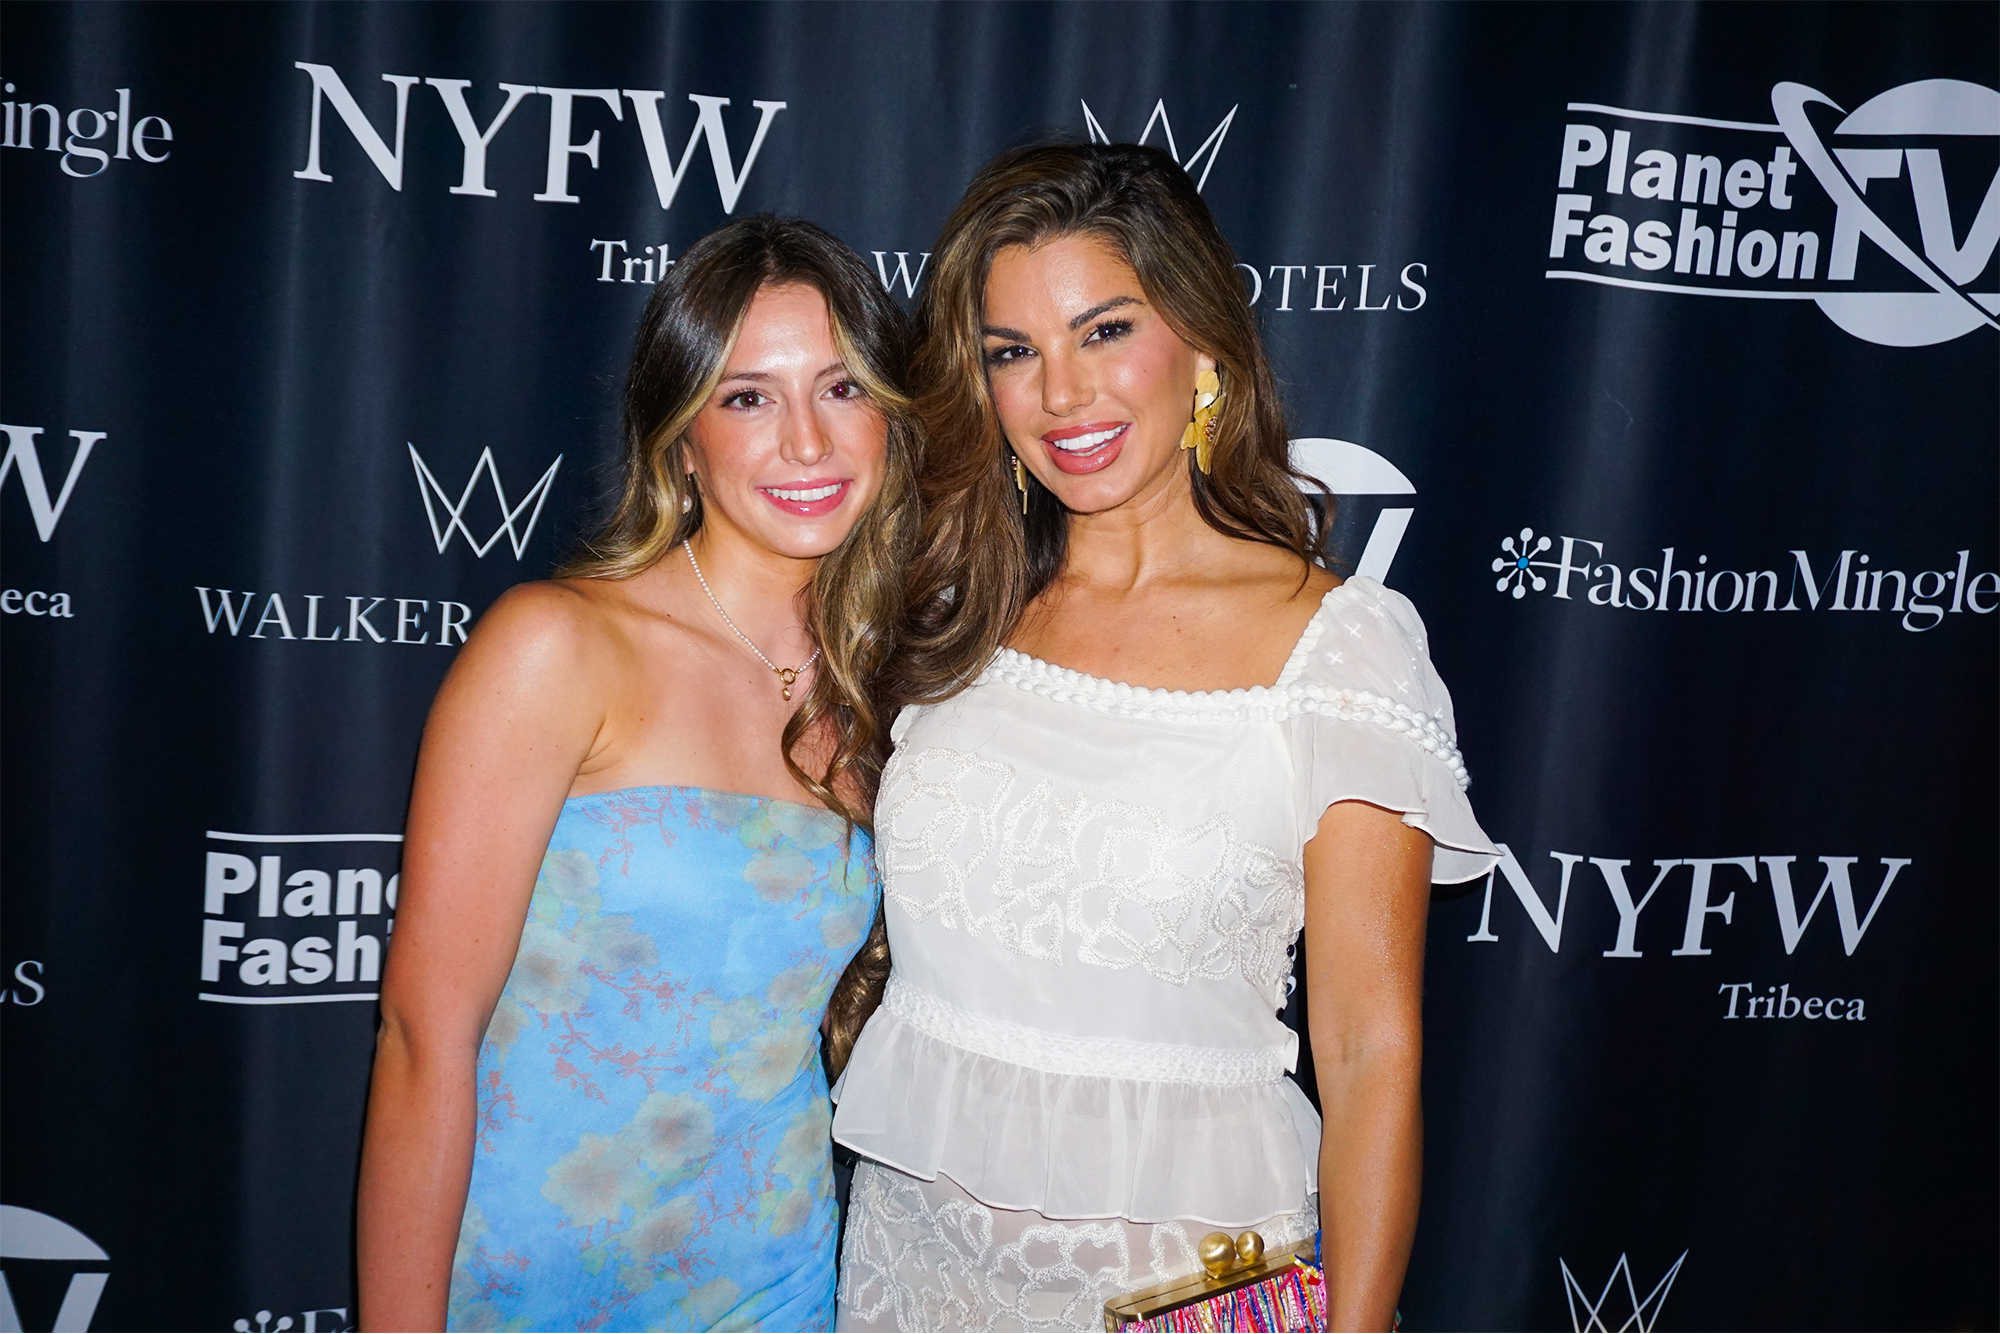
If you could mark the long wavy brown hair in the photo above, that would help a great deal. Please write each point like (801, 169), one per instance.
(685, 335)
(980, 561)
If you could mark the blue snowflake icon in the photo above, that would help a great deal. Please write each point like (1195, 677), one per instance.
(1515, 563)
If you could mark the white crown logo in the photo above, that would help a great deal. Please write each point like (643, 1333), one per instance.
(427, 486)
(1591, 1316)
(1209, 146)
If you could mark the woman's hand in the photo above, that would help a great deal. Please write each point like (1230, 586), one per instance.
(514, 721)
(1367, 899)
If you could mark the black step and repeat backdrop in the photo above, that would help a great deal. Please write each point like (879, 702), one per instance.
(1651, 350)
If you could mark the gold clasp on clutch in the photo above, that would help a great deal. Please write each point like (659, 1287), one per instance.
(1220, 1254)
(1228, 1263)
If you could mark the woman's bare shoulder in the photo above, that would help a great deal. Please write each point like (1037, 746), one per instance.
(1277, 577)
(550, 633)
(553, 615)
(1319, 582)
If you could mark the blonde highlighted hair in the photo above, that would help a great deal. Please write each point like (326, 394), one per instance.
(685, 336)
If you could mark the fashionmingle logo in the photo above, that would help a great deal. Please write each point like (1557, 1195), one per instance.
(1844, 581)
(1641, 191)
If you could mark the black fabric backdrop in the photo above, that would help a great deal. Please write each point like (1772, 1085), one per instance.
(308, 380)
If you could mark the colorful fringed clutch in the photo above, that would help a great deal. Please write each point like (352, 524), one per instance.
(1240, 1288)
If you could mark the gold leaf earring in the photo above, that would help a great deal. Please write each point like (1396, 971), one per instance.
(1200, 433)
(1021, 484)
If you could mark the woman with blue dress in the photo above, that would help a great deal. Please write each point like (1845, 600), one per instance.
(637, 859)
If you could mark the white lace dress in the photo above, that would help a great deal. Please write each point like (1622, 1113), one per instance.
(1092, 890)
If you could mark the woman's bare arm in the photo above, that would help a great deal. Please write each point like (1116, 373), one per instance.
(515, 719)
(1367, 898)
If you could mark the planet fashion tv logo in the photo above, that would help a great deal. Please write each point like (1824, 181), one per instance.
(1359, 479)
(296, 919)
(1846, 581)
(1720, 208)
(51, 1249)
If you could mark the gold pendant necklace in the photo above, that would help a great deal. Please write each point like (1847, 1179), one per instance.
(786, 675)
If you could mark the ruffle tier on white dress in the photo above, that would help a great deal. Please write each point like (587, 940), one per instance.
(1092, 891)
(1151, 1150)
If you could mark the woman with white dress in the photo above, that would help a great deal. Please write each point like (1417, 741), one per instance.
(1147, 738)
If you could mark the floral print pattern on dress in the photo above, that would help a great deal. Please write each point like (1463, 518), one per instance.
(651, 1146)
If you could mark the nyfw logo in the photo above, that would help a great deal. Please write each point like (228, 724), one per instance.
(618, 262)
(1618, 1299)
(382, 137)
(1844, 581)
(24, 460)
(448, 516)
(88, 140)
(48, 1242)
(1710, 897)
(1721, 208)
(1779, 1003)
(275, 932)
(34, 602)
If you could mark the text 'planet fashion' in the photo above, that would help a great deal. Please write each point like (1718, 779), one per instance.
(652, 1146)
(1091, 891)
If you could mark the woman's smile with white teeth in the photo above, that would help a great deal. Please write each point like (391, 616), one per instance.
(806, 495)
(1083, 444)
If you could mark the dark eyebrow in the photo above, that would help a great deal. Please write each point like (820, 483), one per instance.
(1079, 321)
(761, 377)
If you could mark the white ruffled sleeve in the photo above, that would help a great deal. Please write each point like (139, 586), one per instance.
(1374, 724)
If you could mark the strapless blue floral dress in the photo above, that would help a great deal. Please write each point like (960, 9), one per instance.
(652, 1140)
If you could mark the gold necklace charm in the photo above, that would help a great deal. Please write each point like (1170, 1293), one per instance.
(786, 675)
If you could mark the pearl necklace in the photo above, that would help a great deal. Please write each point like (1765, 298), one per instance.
(787, 675)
